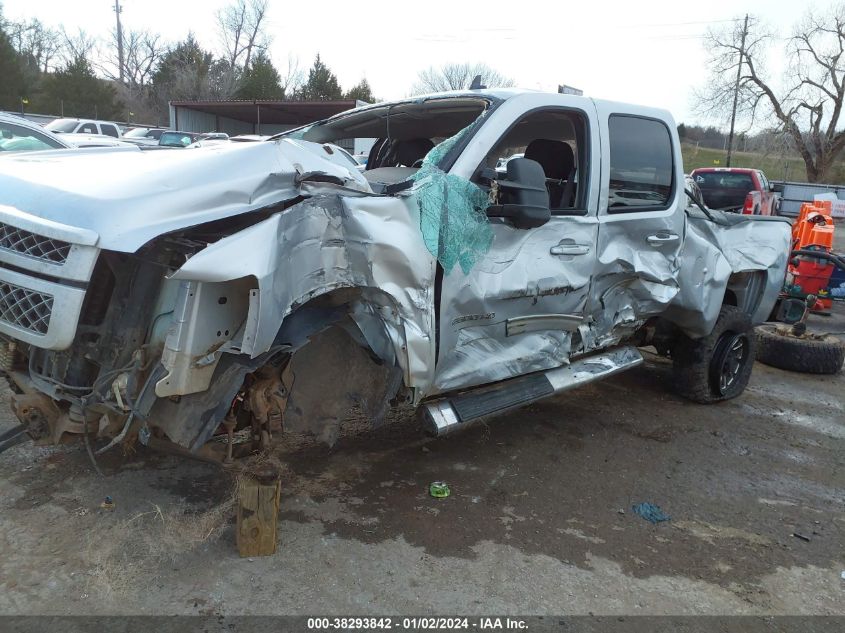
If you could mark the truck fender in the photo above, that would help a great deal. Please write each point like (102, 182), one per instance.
(326, 246)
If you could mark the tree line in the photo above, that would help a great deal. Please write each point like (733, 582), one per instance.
(53, 71)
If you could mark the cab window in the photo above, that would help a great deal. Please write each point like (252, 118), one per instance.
(555, 139)
(641, 164)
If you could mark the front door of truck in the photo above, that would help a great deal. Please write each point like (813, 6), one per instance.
(519, 308)
(641, 221)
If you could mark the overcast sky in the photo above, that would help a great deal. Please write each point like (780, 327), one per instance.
(646, 52)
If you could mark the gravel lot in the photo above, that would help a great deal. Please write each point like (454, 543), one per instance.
(539, 520)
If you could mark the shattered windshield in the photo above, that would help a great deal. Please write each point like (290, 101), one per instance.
(412, 143)
(400, 134)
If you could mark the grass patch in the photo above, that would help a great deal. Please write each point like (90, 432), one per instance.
(776, 167)
(140, 545)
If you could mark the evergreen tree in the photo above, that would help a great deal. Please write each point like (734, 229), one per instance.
(361, 92)
(11, 75)
(77, 91)
(261, 80)
(322, 84)
(184, 69)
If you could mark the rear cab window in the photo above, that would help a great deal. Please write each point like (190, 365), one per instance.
(642, 168)
(724, 180)
(109, 130)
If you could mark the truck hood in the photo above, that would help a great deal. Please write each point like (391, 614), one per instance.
(128, 198)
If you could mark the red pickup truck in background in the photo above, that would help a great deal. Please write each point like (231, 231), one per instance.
(742, 190)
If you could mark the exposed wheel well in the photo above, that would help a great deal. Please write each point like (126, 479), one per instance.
(745, 289)
(342, 356)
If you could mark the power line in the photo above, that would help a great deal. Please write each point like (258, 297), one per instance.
(670, 38)
(687, 23)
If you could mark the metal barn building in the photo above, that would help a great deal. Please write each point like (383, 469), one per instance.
(254, 116)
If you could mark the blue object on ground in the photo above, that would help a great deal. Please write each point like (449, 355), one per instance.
(650, 512)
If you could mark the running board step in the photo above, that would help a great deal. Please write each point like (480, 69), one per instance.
(451, 414)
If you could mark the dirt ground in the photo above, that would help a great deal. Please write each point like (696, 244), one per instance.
(539, 520)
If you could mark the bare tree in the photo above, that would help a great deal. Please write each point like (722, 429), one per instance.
(458, 77)
(240, 26)
(39, 44)
(808, 104)
(142, 51)
(292, 80)
(79, 45)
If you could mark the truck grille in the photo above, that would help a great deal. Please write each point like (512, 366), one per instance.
(33, 245)
(26, 309)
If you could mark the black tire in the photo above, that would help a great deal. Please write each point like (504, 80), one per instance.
(718, 366)
(822, 355)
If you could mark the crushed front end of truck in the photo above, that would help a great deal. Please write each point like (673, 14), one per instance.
(201, 302)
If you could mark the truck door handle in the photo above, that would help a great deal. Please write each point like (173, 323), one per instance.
(658, 239)
(569, 249)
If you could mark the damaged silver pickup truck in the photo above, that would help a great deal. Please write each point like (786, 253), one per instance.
(501, 246)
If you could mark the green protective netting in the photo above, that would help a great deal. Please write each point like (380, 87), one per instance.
(452, 211)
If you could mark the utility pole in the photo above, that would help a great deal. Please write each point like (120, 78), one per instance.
(736, 90)
(117, 10)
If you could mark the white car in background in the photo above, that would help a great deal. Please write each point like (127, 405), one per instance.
(84, 126)
(143, 135)
(20, 135)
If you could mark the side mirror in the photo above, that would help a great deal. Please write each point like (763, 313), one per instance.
(7, 134)
(523, 195)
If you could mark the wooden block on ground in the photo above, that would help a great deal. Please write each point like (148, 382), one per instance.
(258, 512)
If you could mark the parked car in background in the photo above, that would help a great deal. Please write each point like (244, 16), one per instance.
(737, 189)
(80, 141)
(177, 139)
(171, 138)
(144, 135)
(502, 163)
(19, 135)
(83, 126)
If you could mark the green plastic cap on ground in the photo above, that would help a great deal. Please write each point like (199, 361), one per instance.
(439, 489)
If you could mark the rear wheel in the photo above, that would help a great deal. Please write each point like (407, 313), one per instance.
(718, 366)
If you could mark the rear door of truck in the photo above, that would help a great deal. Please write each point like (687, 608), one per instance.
(641, 219)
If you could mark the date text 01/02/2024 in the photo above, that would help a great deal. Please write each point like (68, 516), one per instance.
(416, 623)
